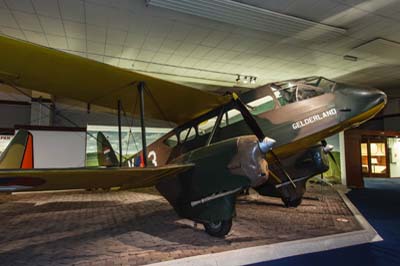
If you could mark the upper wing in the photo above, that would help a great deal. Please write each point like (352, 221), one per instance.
(74, 178)
(61, 74)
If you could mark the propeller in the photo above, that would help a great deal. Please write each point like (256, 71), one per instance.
(328, 150)
(248, 117)
(265, 143)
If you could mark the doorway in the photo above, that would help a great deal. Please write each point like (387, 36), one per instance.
(374, 161)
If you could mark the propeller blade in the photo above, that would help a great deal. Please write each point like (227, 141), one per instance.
(278, 161)
(333, 158)
(248, 117)
(328, 149)
(265, 143)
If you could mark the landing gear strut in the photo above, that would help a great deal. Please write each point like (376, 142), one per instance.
(218, 229)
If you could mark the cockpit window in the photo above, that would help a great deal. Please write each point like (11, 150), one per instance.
(298, 90)
(284, 96)
(187, 134)
(326, 84)
(206, 126)
(171, 141)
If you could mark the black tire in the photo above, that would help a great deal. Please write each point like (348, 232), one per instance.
(218, 229)
(292, 203)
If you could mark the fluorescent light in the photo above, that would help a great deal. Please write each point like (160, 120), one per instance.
(350, 58)
(252, 17)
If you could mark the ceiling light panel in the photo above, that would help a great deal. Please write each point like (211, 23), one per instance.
(381, 50)
(252, 17)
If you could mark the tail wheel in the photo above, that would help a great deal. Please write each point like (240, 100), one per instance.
(218, 229)
(292, 203)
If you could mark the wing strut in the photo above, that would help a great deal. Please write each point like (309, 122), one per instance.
(144, 148)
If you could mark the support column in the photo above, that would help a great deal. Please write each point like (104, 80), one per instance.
(144, 145)
(342, 151)
(119, 133)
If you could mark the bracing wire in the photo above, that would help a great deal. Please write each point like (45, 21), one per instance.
(130, 127)
(51, 109)
(148, 91)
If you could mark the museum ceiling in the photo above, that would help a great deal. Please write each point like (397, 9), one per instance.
(350, 40)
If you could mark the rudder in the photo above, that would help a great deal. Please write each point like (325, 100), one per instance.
(19, 152)
(105, 153)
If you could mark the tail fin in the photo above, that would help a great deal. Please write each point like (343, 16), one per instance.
(105, 153)
(19, 152)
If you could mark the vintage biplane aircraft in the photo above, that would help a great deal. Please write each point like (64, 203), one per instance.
(270, 138)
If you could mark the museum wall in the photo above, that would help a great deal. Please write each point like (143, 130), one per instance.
(15, 107)
(14, 114)
(63, 148)
(391, 112)
(82, 118)
(373, 124)
(392, 115)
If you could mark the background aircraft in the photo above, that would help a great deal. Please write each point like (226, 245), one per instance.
(218, 149)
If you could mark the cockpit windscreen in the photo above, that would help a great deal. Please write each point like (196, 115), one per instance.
(302, 89)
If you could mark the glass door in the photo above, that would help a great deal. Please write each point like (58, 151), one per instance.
(374, 161)
(378, 160)
(365, 166)
(394, 156)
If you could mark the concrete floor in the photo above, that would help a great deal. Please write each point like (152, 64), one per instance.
(136, 228)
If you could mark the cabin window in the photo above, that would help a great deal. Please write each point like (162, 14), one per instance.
(231, 117)
(187, 134)
(261, 105)
(206, 126)
(171, 141)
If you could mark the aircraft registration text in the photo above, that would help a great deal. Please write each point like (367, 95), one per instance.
(314, 118)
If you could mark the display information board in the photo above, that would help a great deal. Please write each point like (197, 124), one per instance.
(4, 141)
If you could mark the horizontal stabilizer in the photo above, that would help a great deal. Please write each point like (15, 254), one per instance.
(86, 178)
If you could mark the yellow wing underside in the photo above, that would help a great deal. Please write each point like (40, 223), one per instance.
(76, 178)
(62, 74)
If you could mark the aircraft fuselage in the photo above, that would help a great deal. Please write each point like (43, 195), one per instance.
(297, 125)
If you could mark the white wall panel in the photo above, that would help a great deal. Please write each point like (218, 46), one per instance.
(58, 149)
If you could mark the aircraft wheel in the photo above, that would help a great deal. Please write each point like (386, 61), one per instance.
(292, 203)
(218, 229)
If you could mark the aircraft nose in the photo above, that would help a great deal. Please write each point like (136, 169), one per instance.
(382, 97)
(374, 96)
(362, 99)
